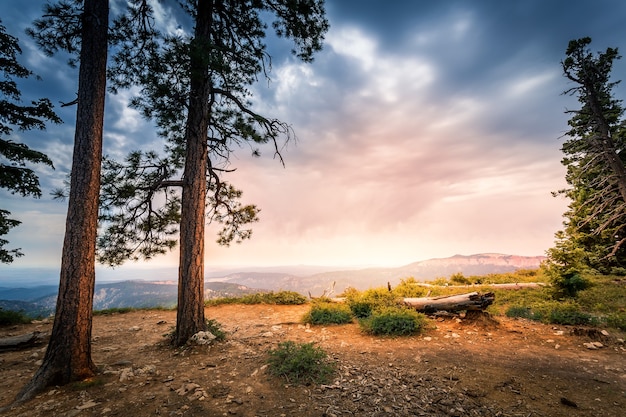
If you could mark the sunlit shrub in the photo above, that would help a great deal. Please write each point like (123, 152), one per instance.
(300, 363)
(393, 321)
(328, 313)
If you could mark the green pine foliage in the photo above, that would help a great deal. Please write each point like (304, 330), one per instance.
(16, 159)
(594, 233)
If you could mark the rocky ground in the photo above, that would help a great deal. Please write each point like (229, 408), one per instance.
(457, 367)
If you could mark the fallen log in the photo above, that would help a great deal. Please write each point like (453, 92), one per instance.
(22, 341)
(507, 286)
(470, 301)
(459, 302)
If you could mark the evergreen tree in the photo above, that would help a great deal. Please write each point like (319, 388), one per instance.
(595, 223)
(68, 356)
(196, 87)
(15, 175)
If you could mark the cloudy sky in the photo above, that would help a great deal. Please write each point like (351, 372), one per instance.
(424, 129)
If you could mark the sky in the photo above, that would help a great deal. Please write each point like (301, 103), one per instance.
(424, 129)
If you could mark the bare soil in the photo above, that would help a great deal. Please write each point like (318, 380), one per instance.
(473, 366)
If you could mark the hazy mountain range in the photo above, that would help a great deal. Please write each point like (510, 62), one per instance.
(40, 300)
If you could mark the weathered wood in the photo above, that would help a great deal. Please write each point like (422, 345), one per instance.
(459, 302)
(507, 286)
(21, 342)
(469, 301)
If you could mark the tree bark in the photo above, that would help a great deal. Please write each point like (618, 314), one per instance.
(68, 357)
(190, 310)
(604, 142)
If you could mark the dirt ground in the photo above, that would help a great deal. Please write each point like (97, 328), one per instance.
(457, 367)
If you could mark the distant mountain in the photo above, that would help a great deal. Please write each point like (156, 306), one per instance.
(41, 300)
(479, 264)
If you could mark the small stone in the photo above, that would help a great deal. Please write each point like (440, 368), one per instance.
(127, 374)
(134, 329)
(86, 405)
(428, 338)
(203, 338)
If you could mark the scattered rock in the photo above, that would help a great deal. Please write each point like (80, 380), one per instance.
(86, 405)
(568, 403)
(203, 338)
(126, 374)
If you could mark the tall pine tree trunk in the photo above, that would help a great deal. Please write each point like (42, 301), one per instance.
(190, 312)
(68, 357)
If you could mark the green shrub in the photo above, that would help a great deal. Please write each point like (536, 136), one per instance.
(570, 316)
(569, 284)
(616, 320)
(459, 279)
(287, 298)
(393, 321)
(300, 363)
(215, 329)
(115, 310)
(409, 287)
(278, 298)
(523, 312)
(360, 309)
(328, 313)
(10, 317)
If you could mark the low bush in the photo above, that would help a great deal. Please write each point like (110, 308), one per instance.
(300, 363)
(393, 321)
(616, 320)
(523, 312)
(115, 310)
(571, 316)
(278, 298)
(10, 317)
(215, 329)
(328, 313)
(360, 309)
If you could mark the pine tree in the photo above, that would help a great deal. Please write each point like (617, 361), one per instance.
(196, 88)
(68, 356)
(15, 174)
(595, 223)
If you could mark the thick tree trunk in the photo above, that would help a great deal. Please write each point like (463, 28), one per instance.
(68, 357)
(190, 312)
(470, 301)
